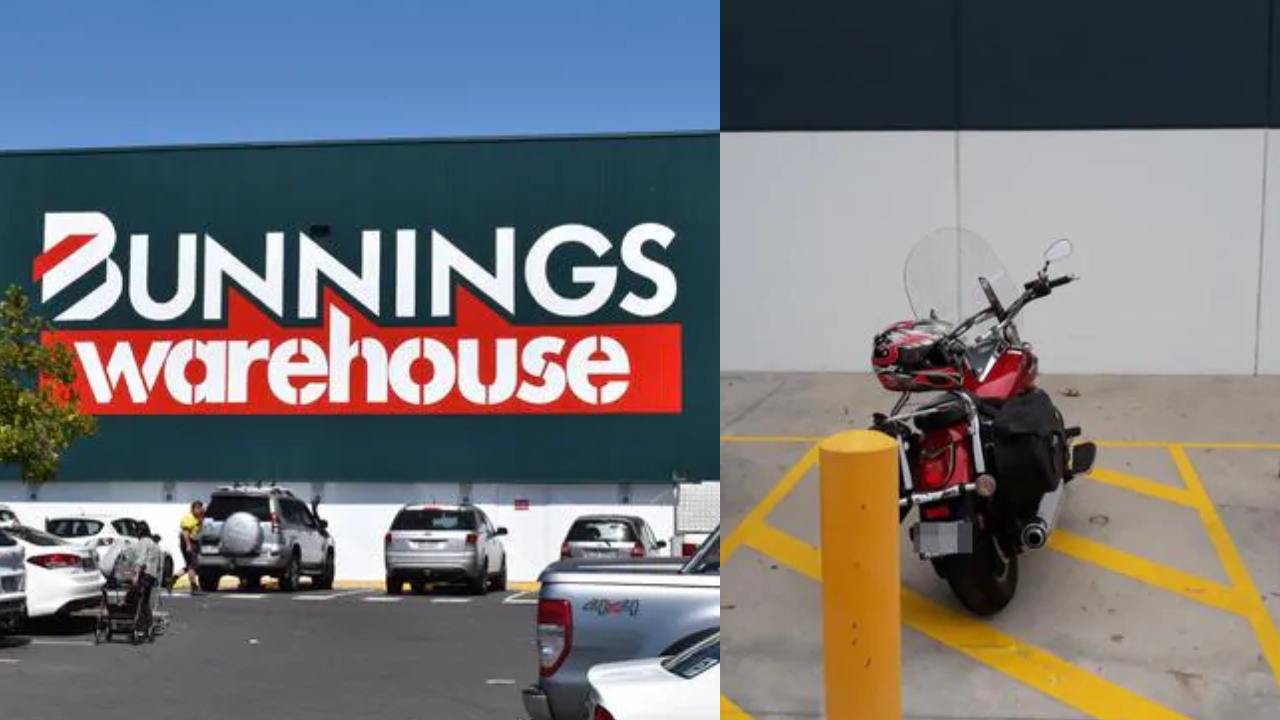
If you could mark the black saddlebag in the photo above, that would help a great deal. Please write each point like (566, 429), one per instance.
(1030, 451)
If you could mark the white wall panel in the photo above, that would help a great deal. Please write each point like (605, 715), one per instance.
(814, 229)
(1269, 325)
(1166, 228)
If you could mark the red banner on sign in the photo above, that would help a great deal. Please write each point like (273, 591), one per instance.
(350, 365)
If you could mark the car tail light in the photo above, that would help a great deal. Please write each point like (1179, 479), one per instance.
(637, 550)
(689, 549)
(555, 634)
(386, 539)
(601, 714)
(564, 550)
(274, 519)
(54, 561)
(472, 538)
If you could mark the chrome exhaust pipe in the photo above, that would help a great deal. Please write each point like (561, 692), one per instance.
(1035, 534)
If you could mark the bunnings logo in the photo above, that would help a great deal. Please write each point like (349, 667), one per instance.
(333, 347)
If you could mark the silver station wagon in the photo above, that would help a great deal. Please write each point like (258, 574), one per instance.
(611, 536)
(455, 543)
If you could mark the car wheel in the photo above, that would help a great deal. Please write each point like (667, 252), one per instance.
(290, 580)
(500, 583)
(325, 580)
(394, 584)
(478, 584)
(209, 581)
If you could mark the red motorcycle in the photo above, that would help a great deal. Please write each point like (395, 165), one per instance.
(986, 457)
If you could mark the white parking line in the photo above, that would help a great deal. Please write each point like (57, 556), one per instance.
(79, 643)
(521, 599)
(382, 599)
(499, 681)
(244, 596)
(9, 661)
(330, 596)
(450, 601)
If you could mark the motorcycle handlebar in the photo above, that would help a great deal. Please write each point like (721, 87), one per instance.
(1061, 280)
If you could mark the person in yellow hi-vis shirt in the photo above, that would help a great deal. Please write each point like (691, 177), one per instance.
(190, 539)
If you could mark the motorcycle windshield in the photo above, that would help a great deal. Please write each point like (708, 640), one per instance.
(941, 276)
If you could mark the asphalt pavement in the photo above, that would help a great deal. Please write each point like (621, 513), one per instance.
(319, 655)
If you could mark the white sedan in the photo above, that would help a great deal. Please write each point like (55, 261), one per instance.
(61, 577)
(681, 687)
(13, 596)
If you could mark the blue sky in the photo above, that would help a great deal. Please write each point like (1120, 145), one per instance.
(89, 74)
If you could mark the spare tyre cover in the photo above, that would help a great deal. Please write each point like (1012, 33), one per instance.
(241, 534)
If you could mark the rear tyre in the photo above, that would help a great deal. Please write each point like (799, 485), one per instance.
(984, 581)
(325, 580)
(500, 582)
(395, 585)
(290, 580)
(209, 581)
(478, 584)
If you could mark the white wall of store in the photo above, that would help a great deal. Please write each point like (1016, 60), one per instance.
(1176, 233)
(359, 514)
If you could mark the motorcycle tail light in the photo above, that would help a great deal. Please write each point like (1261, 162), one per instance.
(555, 634)
(936, 466)
(935, 512)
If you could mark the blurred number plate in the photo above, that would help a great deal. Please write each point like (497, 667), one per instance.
(935, 539)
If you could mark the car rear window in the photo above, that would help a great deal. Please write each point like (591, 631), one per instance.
(434, 520)
(222, 507)
(602, 531)
(74, 527)
(35, 537)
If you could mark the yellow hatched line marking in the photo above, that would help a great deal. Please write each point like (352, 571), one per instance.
(1141, 485)
(729, 711)
(764, 507)
(786, 549)
(1040, 669)
(1024, 662)
(1138, 568)
(1251, 607)
(770, 438)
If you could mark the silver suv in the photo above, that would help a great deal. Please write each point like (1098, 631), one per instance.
(445, 542)
(253, 532)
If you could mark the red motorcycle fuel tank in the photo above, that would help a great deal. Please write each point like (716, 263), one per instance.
(1014, 372)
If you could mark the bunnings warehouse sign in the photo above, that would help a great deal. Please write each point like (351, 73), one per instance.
(470, 310)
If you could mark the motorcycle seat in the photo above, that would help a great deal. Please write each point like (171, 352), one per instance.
(949, 412)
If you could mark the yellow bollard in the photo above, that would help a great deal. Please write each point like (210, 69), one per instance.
(861, 595)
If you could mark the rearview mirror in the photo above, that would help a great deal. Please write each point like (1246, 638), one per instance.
(500, 531)
(1059, 250)
(661, 544)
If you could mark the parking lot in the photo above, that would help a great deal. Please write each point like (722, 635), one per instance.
(1158, 597)
(341, 654)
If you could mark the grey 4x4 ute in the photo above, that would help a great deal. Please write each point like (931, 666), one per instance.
(253, 532)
